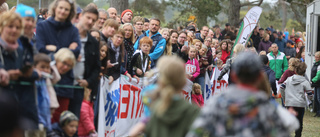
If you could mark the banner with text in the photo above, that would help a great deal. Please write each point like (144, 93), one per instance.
(121, 105)
(213, 86)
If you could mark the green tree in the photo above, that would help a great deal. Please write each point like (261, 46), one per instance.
(149, 8)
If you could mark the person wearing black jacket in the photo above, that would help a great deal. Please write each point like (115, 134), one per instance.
(270, 73)
(87, 68)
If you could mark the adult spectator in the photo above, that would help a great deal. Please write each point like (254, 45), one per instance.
(261, 32)
(112, 13)
(289, 51)
(203, 33)
(128, 42)
(233, 107)
(270, 73)
(281, 42)
(225, 50)
(103, 16)
(126, 16)
(278, 61)
(159, 43)
(146, 24)
(138, 26)
(118, 19)
(43, 14)
(16, 59)
(75, 18)
(57, 31)
(87, 68)
(265, 43)
(183, 49)
(286, 33)
(269, 32)
(226, 29)
(255, 37)
(315, 78)
(217, 33)
(174, 41)
(108, 29)
(210, 33)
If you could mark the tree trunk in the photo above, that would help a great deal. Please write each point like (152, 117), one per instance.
(120, 5)
(284, 12)
(234, 12)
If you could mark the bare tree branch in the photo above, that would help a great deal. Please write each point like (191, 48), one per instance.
(253, 3)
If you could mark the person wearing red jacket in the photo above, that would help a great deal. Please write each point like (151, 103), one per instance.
(196, 96)
(86, 126)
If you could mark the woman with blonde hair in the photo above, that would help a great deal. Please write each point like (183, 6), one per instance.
(265, 43)
(168, 49)
(171, 114)
(293, 62)
(128, 42)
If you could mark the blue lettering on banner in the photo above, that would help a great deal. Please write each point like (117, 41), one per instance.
(208, 92)
(112, 104)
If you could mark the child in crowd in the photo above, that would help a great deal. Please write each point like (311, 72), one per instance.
(292, 63)
(290, 51)
(293, 90)
(192, 65)
(67, 126)
(46, 95)
(218, 56)
(197, 95)
(103, 57)
(141, 61)
(219, 63)
(86, 126)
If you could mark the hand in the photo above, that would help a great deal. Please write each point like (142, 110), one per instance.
(83, 83)
(109, 65)
(14, 74)
(93, 134)
(129, 76)
(73, 46)
(146, 73)
(205, 62)
(292, 111)
(51, 47)
(138, 79)
(110, 79)
(29, 73)
(139, 71)
(79, 58)
(4, 77)
(210, 68)
(184, 49)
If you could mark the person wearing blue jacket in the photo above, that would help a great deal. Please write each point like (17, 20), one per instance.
(57, 31)
(159, 43)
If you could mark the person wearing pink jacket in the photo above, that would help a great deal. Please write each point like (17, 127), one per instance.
(86, 127)
(192, 65)
(196, 96)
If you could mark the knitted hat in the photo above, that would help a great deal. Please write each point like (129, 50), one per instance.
(125, 11)
(66, 117)
(26, 11)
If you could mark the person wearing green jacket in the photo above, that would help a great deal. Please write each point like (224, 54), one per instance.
(278, 61)
(315, 78)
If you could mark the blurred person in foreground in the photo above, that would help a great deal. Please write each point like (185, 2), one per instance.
(244, 110)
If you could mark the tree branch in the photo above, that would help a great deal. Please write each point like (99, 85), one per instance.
(253, 3)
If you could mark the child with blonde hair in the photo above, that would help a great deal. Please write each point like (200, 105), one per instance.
(192, 65)
(197, 95)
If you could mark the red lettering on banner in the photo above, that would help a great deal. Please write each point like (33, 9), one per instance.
(139, 104)
(107, 132)
(186, 97)
(213, 87)
(125, 100)
(119, 102)
(133, 89)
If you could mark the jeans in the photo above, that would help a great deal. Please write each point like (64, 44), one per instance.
(300, 115)
(317, 99)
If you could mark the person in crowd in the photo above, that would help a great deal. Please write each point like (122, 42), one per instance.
(289, 51)
(219, 64)
(299, 54)
(116, 55)
(174, 41)
(261, 32)
(141, 62)
(197, 95)
(43, 14)
(281, 42)
(217, 33)
(210, 33)
(203, 60)
(198, 44)
(168, 51)
(237, 50)
(75, 18)
(146, 24)
(108, 30)
(103, 16)
(270, 73)
(112, 13)
(208, 41)
(299, 44)
(215, 43)
(218, 56)
(293, 90)
(248, 75)
(4, 7)
(126, 16)
(57, 31)
(17, 59)
(286, 33)
(278, 61)
(315, 78)
(138, 26)
(226, 30)
(87, 67)
(192, 65)
(86, 125)
(293, 62)
(159, 43)
(96, 34)
(265, 43)
(67, 126)
(103, 57)
(171, 115)
(255, 37)
(128, 41)
(224, 50)
(203, 33)
(64, 61)
(230, 45)
(269, 32)
(165, 33)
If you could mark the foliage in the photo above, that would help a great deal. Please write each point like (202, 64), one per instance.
(149, 8)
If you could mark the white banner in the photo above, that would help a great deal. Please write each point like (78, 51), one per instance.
(213, 86)
(121, 105)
